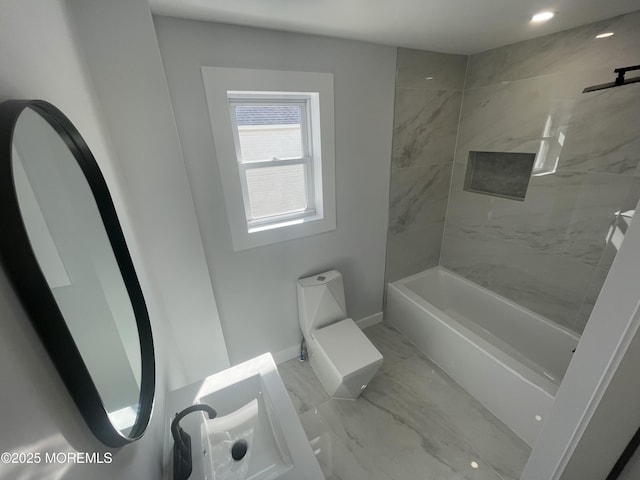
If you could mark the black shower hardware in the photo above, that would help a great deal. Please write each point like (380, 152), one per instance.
(620, 80)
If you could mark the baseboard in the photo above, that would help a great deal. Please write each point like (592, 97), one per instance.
(293, 351)
(287, 354)
(370, 321)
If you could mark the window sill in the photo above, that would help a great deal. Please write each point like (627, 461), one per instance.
(262, 235)
(286, 222)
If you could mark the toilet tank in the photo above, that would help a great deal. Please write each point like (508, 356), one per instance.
(321, 300)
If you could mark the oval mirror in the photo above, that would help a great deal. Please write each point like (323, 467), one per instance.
(66, 256)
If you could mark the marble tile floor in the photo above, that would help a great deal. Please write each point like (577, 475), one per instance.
(412, 422)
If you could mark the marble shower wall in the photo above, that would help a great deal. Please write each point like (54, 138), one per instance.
(550, 253)
(427, 109)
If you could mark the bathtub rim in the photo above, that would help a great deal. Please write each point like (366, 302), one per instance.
(473, 284)
(514, 365)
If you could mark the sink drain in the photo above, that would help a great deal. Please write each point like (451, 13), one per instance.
(239, 450)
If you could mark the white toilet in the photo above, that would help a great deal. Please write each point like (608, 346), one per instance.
(341, 356)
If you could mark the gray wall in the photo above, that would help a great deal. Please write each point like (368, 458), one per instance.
(550, 252)
(426, 114)
(255, 288)
(118, 43)
(38, 59)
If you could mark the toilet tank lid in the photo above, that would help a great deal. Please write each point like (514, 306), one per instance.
(319, 279)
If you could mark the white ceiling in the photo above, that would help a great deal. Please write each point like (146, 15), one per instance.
(452, 26)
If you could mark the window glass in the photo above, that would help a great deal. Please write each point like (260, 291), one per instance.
(269, 131)
(276, 190)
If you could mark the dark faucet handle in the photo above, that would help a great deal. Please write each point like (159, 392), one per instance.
(182, 460)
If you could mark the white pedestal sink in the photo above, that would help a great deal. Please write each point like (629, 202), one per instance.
(255, 414)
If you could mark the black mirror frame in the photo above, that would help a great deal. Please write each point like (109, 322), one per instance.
(33, 291)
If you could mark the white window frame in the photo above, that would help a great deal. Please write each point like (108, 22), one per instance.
(226, 86)
(306, 160)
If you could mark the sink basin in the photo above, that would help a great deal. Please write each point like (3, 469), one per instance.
(256, 434)
(252, 429)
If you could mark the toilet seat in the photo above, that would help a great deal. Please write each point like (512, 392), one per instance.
(348, 349)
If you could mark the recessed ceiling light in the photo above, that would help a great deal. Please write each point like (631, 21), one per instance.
(605, 35)
(428, 78)
(542, 17)
(474, 465)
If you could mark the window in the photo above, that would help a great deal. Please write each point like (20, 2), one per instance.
(273, 147)
(274, 143)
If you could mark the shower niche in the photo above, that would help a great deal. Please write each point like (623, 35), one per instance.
(500, 174)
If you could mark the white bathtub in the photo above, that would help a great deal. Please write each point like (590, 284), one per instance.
(507, 357)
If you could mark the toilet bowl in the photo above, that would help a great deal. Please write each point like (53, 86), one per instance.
(342, 357)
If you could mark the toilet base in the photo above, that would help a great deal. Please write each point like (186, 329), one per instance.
(342, 388)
